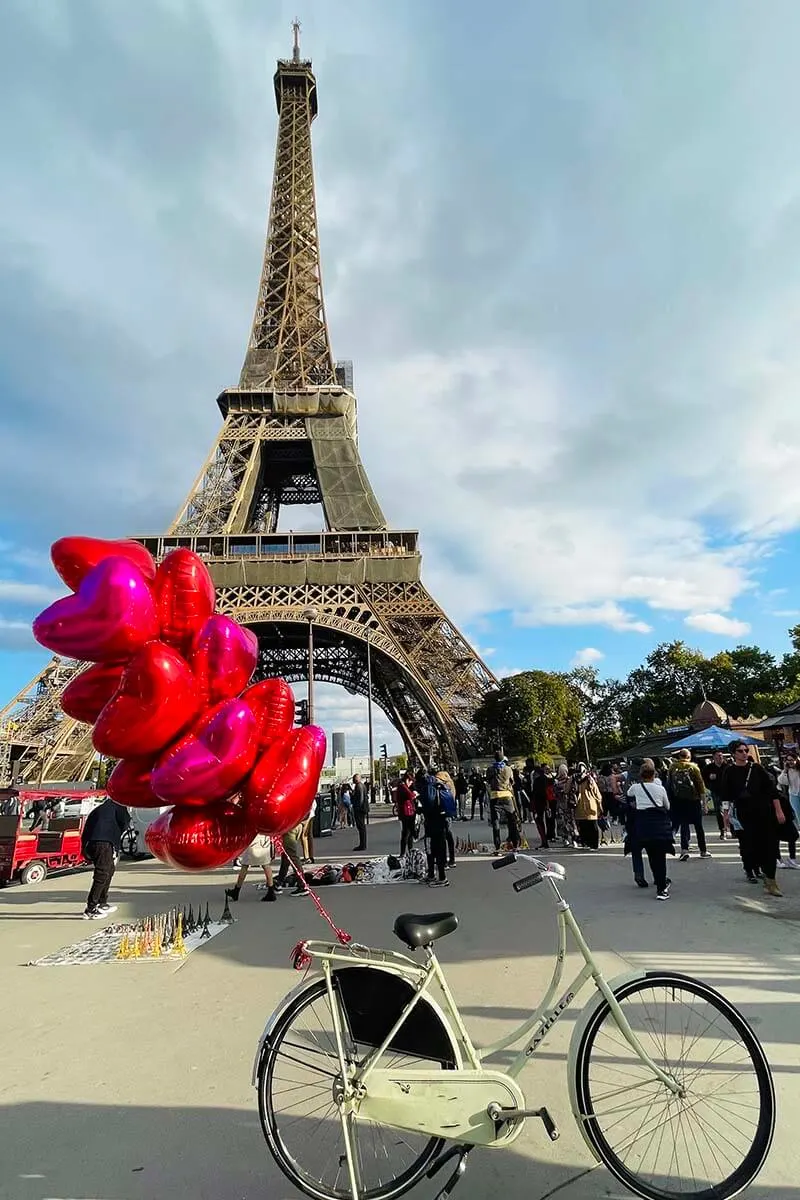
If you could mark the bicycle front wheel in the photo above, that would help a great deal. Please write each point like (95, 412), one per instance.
(299, 1078)
(708, 1143)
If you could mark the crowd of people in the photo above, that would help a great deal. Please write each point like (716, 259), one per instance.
(648, 805)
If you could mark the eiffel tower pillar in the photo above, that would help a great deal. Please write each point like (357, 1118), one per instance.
(289, 436)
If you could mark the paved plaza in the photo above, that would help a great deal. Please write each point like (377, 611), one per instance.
(132, 1081)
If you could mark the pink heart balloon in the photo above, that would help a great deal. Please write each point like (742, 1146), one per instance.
(129, 784)
(211, 761)
(284, 782)
(155, 702)
(109, 618)
(199, 839)
(223, 657)
(272, 702)
(184, 592)
(75, 557)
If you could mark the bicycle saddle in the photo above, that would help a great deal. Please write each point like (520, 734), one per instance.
(420, 929)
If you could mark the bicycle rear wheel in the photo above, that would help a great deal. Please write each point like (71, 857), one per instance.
(298, 1078)
(708, 1144)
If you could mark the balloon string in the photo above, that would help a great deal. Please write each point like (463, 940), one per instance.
(300, 957)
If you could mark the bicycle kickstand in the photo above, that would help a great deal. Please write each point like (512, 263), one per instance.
(459, 1152)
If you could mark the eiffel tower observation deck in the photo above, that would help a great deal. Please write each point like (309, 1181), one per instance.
(289, 437)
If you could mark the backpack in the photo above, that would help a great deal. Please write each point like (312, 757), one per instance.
(448, 801)
(683, 785)
(430, 794)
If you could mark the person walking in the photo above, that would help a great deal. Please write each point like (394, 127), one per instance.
(259, 853)
(500, 780)
(435, 817)
(790, 780)
(101, 841)
(307, 838)
(687, 794)
(652, 826)
(406, 811)
(478, 788)
(359, 802)
(462, 787)
(588, 807)
(566, 830)
(712, 777)
(755, 814)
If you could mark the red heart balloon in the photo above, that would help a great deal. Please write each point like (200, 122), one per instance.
(199, 839)
(129, 784)
(109, 618)
(185, 597)
(284, 782)
(272, 703)
(156, 700)
(88, 693)
(223, 658)
(211, 761)
(75, 557)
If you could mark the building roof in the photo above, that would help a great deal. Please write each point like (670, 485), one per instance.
(787, 716)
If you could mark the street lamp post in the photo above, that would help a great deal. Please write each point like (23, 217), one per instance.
(311, 615)
(369, 718)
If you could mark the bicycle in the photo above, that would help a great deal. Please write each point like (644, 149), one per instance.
(381, 1051)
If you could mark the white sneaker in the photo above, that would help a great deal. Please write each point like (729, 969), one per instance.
(791, 862)
(92, 914)
(105, 909)
(784, 863)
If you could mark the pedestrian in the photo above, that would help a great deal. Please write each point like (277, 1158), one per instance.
(462, 787)
(259, 853)
(448, 793)
(566, 829)
(359, 802)
(652, 826)
(478, 788)
(790, 779)
(291, 859)
(588, 807)
(712, 777)
(687, 794)
(756, 815)
(406, 811)
(101, 841)
(435, 817)
(539, 804)
(307, 837)
(500, 780)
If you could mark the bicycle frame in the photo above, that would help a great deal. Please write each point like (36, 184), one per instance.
(425, 977)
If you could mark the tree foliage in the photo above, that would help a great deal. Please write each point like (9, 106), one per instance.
(540, 713)
(535, 713)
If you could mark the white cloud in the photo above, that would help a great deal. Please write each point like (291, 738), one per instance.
(791, 613)
(608, 613)
(712, 622)
(15, 635)
(586, 657)
(551, 472)
(14, 591)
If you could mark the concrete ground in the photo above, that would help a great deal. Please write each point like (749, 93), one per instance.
(132, 1081)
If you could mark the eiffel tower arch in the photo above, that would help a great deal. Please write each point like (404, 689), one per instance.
(289, 437)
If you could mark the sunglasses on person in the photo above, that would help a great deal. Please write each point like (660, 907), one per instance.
(741, 750)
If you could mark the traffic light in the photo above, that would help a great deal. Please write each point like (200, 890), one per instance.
(384, 751)
(301, 713)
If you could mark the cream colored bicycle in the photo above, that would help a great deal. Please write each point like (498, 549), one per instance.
(367, 1072)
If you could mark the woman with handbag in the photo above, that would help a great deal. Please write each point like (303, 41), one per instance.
(652, 825)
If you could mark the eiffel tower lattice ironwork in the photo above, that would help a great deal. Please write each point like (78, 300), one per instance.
(289, 437)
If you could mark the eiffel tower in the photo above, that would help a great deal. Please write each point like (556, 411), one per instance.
(289, 437)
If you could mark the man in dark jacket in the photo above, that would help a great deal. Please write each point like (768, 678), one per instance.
(359, 800)
(100, 841)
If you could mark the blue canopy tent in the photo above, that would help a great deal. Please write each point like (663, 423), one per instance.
(713, 738)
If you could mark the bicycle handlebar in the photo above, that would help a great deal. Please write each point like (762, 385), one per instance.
(505, 861)
(519, 885)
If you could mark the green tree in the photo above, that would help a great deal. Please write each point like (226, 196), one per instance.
(534, 714)
(600, 707)
(671, 680)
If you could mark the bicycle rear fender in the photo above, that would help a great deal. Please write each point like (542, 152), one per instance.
(581, 1025)
(373, 998)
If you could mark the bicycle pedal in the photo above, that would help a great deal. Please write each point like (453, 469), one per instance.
(500, 1115)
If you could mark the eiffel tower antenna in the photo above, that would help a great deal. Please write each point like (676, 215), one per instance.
(289, 437)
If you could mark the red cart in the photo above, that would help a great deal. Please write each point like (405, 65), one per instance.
(29, 856)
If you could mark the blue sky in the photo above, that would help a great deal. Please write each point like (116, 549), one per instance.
(561, 245)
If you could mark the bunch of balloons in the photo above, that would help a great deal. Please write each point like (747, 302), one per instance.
(168, 696)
